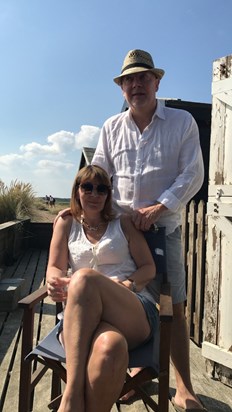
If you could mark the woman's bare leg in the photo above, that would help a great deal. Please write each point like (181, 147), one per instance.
(93, 298)
(79, 326)
(106, 370)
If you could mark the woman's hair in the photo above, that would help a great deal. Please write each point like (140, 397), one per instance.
(89, 173)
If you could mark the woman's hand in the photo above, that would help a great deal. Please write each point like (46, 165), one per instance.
(126, 283)
(129, 284)
(57, 288)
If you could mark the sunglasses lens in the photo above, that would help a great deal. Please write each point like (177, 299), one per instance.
(102, 189)
(87, 187)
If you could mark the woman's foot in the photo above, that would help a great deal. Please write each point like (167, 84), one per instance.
(129, 395)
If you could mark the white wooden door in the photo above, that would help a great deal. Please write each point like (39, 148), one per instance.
(217, 344)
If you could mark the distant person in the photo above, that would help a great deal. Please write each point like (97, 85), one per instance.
(154, 156)
(109, 309)
(52, 201)
(47, 200)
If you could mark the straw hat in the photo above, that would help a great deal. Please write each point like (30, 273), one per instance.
(138, 61)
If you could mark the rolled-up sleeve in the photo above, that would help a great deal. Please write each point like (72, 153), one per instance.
(190, 174)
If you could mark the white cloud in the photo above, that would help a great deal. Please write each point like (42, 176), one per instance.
(49, 167)
(37, 149)
(60, 142)
(63, 142)
(87, 137)
(11, 160)
(53, 165)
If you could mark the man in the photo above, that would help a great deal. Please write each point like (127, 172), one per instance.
(154, 157)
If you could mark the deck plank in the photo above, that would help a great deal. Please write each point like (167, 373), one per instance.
(30, 267)
(9, 344)
(136, 406)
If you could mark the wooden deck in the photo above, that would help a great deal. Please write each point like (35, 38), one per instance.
(31, 266)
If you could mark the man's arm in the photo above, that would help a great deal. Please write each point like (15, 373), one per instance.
(191, 170)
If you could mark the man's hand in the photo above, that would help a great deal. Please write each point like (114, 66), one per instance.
(145, 217)
(62, 213)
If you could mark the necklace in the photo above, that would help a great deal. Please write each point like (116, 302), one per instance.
(91, 228)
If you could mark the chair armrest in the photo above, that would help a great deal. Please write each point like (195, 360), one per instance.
(31, 300)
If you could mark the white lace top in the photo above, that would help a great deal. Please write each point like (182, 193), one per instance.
(110, 255)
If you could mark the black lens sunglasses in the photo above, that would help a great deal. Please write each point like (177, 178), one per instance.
(88, 188)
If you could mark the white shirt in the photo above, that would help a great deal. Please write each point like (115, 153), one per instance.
(163, 164)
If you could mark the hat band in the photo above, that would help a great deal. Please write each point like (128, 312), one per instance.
(146, 66)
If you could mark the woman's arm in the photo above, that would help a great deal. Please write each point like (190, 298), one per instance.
(141, 254)
(58, 260)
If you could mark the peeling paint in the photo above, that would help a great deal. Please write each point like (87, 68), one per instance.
(214, 236)
(217, 322)
(219, 178)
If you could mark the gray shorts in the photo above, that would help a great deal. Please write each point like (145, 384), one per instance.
(151, 312)
(175, 269)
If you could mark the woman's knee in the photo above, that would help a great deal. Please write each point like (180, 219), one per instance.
(107, 363)
(110, 348)
(82, 279)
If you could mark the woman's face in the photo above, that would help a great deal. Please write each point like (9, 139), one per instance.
(92, 195)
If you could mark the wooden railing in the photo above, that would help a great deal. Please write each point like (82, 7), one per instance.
(13, 236)
(194, 230)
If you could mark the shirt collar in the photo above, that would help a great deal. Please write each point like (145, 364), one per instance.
(159, 112)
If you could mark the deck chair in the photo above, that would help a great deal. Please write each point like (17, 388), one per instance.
(153, 356)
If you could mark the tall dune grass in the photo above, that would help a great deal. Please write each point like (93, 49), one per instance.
(17, 201)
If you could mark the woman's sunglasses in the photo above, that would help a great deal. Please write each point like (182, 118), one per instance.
(88, 188)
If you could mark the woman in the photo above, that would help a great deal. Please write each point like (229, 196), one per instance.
(108, 308)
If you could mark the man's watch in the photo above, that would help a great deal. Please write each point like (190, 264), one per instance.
(134, 288)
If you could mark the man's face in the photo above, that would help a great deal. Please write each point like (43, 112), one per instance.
(139, 89)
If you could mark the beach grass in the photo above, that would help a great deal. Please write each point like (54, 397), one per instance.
(17, 201)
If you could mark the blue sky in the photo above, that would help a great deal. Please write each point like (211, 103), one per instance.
(58, 59)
